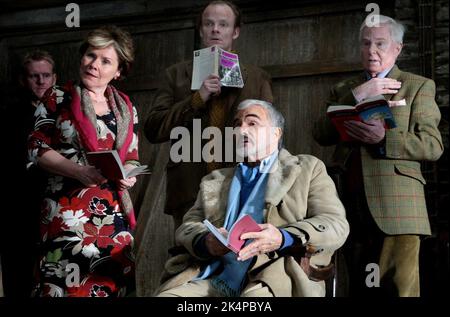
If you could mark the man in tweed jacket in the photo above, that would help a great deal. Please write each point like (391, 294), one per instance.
(384, 184)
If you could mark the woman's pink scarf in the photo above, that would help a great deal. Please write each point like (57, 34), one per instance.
(83, 120)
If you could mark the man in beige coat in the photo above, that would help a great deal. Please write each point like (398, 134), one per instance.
(385, 195)
(291, 197)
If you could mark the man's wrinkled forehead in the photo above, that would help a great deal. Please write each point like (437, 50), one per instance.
(36, 66)
(377, 33)
(252, 111)
(206, 13)
(246, 116)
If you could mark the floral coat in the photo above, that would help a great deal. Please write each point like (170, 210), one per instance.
(85, 236)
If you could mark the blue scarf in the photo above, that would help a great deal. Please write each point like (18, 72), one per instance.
(246, 197)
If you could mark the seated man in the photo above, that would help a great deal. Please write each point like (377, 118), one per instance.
(293, 200)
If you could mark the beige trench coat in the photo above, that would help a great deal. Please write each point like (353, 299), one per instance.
(300, 197)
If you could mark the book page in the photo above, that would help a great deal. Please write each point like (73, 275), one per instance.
(340, 108)
(366, 103)
(138, 170)
(215, 231)
(371, 99)
(203, 66)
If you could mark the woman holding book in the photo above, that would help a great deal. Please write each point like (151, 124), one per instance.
(86, 219)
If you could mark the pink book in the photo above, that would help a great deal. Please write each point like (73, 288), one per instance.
(234, 241)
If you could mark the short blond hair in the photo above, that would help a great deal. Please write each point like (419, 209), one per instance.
(36, 56)
(112, 35)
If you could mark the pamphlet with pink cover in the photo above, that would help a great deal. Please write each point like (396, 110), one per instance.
(234, 241)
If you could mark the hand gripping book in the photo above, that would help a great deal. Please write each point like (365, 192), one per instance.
(111, 167)
(233, 241)
(214, 60)
(371, 108)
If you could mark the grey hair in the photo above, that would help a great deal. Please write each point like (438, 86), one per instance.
(396, 28)
(275, 116)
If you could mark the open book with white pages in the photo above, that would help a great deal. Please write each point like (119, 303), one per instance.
(111, 167)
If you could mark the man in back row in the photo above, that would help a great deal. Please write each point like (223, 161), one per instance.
(175, 105)
(37, 75)
(384, 191)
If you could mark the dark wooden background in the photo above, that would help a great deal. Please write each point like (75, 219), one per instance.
(306, 46)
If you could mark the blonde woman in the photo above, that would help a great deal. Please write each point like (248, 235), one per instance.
(86, 219)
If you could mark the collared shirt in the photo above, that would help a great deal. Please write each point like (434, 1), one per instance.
(380, 149)
(382, 74)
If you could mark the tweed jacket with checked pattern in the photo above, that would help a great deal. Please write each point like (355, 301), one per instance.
(393, 184)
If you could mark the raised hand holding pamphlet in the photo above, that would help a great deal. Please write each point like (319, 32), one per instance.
(214, 60)
(233, 241)
(111, 167)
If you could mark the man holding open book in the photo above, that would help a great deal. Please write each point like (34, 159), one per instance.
(384, 191)
(295, 206)
(176, 105)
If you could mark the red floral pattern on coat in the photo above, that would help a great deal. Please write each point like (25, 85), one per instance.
(80, 226)
(94, 286)
(99, 236)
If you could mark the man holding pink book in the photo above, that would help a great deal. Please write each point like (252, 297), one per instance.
(291, 198)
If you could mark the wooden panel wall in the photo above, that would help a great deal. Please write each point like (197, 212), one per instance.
(303, 59)
(306, 46)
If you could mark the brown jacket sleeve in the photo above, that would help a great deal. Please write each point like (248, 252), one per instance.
(174, 104)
